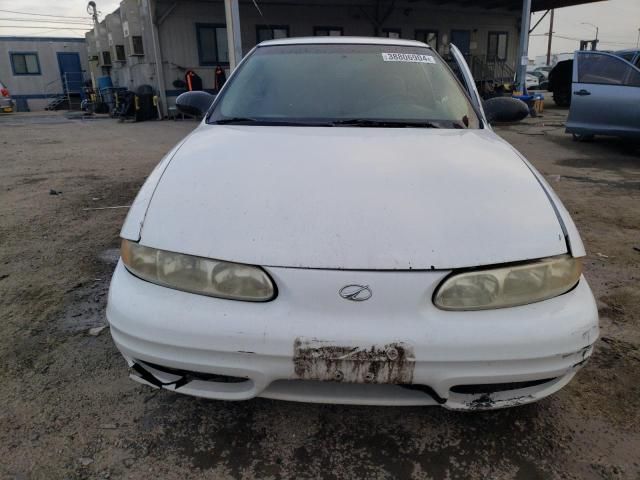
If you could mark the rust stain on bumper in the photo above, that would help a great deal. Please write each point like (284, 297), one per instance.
(319, 360)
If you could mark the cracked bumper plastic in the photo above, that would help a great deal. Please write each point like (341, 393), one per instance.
(159, 326)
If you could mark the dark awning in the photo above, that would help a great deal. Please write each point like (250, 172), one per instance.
(536, 5)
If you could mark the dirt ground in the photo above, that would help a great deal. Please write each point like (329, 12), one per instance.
(69, 411)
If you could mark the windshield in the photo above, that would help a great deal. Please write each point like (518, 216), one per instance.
(345, 84)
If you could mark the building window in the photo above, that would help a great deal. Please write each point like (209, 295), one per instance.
(25, 63)
(120, 55)
(497, 45)
(264, 32)
(212, 44)
(106, 59)
(137, 48)
(327, 31)
(430, 37)
(391, 32)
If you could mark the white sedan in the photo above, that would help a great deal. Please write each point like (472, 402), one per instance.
(344, 226)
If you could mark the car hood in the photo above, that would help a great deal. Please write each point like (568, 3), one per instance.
(351, 198)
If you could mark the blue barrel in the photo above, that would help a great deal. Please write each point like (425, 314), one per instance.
(104, 82)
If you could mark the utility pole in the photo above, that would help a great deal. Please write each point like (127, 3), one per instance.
(523, 48)
(161, 106)
(92, 10)
(234, 39)
(550, 39)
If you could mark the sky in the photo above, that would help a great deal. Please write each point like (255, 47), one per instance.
(618, 22)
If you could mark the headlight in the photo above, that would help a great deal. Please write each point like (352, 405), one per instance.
(204, 276)
(509, 286)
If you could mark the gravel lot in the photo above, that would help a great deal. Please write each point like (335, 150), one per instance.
(69, 410)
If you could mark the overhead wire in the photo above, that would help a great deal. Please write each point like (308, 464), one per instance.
(45, 27)
(64, 22)
(40, 14)
(564, 37)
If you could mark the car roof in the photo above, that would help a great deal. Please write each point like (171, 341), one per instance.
(344, 41)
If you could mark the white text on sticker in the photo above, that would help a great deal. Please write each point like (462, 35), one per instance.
(408, 57)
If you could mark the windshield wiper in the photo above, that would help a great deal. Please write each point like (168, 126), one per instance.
(257, 121)
(364, 122)
(235, 120)
(349, 122)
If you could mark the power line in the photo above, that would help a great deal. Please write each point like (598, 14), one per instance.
(39, 14)
(617, 43)
(49, 28)
(601, 42)
(65, 22)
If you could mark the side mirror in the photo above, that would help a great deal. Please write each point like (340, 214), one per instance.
(195, 103)
(505, 109)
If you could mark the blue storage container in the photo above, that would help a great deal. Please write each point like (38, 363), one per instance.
(104, 82)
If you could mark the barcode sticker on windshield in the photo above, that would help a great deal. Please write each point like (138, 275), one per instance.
(408, 57)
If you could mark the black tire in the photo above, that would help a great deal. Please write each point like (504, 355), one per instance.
(505, 109)
(582, 137)
(562, 99)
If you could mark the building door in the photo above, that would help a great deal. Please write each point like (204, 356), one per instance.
(70, 72)
(462, 40)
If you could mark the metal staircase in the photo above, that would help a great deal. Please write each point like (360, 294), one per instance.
(492, 70)
(71, 99)
(57, 102)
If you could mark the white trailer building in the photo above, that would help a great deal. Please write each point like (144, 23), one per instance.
(39, 71)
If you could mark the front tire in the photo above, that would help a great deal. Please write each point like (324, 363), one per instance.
(562, 99)
(582, 137)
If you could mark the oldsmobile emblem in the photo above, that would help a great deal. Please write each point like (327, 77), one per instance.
(356, 293)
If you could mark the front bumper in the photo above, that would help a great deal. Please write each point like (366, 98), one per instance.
(311, 345)
(6, 105)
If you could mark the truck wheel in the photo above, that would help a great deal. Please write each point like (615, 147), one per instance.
(582, 137)
(562, 99)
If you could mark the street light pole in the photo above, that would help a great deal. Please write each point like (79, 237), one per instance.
(594, 26)
(594, 43)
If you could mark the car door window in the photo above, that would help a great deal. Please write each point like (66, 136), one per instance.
(633, 78)
(604, 69)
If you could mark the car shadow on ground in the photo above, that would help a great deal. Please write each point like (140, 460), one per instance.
(266, 437)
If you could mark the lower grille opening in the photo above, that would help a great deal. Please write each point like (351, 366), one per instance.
(206, 377)
(496, 387)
